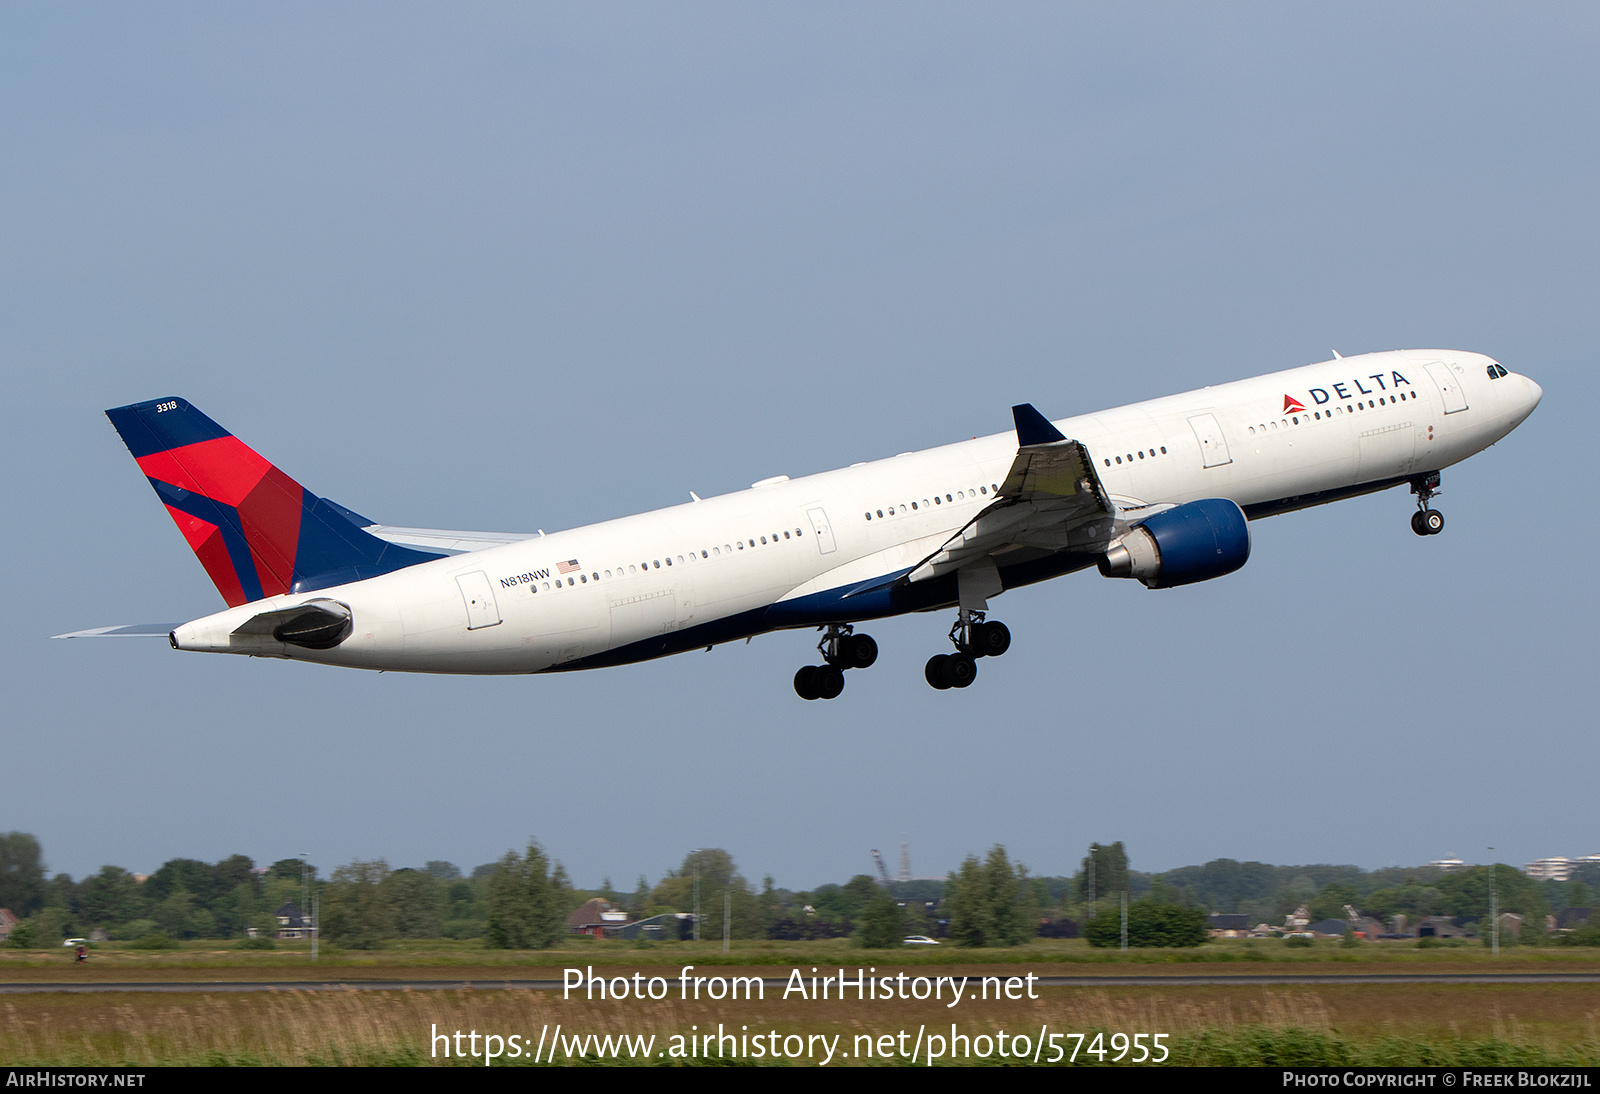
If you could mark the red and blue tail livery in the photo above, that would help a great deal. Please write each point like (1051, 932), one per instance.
(257, 532)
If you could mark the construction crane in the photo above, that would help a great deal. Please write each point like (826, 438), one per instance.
(883, 871)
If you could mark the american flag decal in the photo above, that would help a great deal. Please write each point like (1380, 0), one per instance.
(570, 566)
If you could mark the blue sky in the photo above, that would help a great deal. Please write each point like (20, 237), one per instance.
(522, 266)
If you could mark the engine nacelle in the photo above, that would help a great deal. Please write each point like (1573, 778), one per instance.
(1193, 542)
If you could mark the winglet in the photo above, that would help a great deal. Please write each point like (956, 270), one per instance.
(1033, 427)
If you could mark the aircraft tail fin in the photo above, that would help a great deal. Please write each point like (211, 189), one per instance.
(256, 531)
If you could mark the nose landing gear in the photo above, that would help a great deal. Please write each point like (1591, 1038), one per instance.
(841, 649)
(1426, 521)
(973, 638)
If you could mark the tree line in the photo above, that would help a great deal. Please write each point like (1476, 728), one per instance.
(522, 901)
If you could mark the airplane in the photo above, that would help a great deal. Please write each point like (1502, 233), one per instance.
(1160, 492)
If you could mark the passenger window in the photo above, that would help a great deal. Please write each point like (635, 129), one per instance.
(913, 505)
(658, 563)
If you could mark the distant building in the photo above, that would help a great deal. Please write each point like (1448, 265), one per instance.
(292, 923)
(1448, 864)
(597, 918)
(8, 923)
(1443, 926)
(1550, 869)
(1296, 921)
(672, 926)
(1228, 925)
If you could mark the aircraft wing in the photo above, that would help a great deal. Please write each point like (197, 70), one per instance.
(1051, 499)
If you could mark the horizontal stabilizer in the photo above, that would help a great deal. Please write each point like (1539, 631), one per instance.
(132, 630)
(444, 540)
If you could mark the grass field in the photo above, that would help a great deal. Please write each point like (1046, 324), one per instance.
(1329, 1023)
(1058, 956)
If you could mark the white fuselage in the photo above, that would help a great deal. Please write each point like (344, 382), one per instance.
(783, 554)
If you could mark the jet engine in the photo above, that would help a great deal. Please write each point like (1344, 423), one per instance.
(1193, 542)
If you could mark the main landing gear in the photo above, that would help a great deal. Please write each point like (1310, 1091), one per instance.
(1425, 521)
(972, 638)
(841, 649)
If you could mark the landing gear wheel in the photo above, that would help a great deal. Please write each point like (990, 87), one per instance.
(844, 649)
(829, 681)
(819, 682)
(1426, 521)
(961, 669)
(936, 673)
(805, 683)
(990, 639)
(859, 651)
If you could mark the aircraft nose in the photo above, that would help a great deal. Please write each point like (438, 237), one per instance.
(1531, 400)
